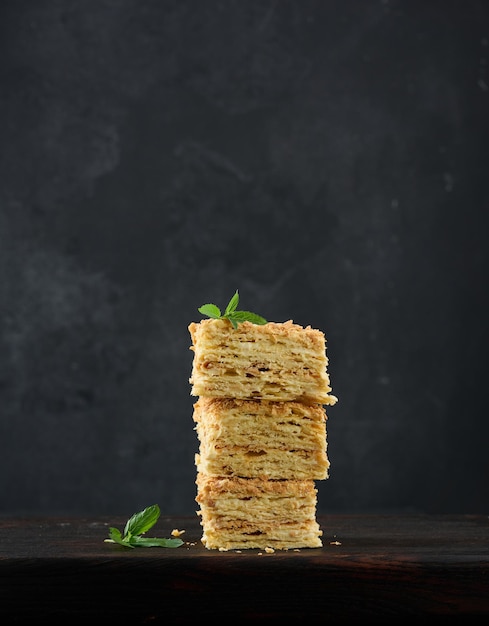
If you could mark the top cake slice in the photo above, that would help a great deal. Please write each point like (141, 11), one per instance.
(274, 361)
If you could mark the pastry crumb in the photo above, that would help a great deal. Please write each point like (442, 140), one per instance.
(176, 533)
(269, 550)
(335, 543)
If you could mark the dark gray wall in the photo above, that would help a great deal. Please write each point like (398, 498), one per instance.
(328, 159)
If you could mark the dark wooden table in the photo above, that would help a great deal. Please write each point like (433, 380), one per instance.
(371, 567)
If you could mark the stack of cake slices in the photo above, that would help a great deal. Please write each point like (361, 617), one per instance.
(261, 424)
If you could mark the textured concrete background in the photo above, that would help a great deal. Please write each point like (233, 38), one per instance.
(328, 159)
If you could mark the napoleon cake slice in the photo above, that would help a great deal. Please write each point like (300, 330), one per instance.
(274, 361)
(239, 513)
(261, 438)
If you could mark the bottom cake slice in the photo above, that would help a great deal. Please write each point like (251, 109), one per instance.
(239, 513)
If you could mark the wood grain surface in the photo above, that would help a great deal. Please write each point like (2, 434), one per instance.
(376, 567)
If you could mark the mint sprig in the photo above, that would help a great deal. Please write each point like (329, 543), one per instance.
(231, 313)
(136, 526)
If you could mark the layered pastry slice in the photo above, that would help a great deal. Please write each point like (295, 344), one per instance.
(238, 513)
(274, 361)
(261, 439)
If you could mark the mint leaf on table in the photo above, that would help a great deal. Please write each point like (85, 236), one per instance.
(155, 542)
(231, 313)
(141, 522)
(136, 526)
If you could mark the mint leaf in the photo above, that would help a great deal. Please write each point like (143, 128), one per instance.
(231, 313)
(141, 522)
(233, 322)
(232, 304)
(211, 310)
(116, 537)
(150, 542)
(136, 526)
(247, 316)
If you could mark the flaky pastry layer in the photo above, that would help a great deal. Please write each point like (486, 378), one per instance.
(275, 361)
(252, 513)
(286, 538)
(259, 438)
